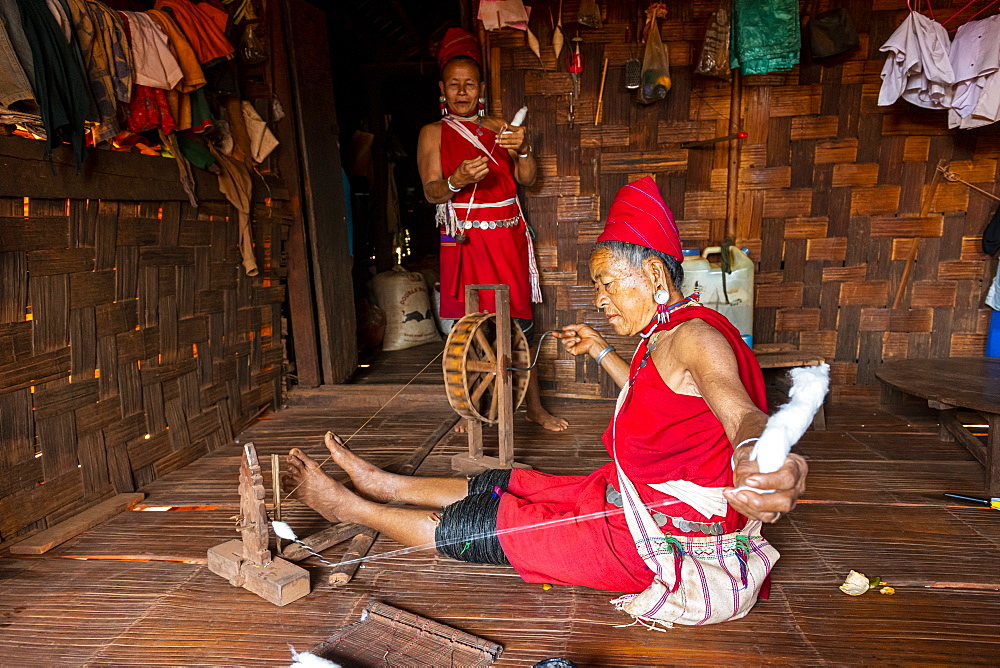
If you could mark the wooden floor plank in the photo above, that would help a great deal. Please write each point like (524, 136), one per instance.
(873, 504)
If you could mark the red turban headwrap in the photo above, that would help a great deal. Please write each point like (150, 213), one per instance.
(458, 42)
(640, 216)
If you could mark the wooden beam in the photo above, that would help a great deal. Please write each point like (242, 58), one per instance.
(302, 311)
(110, 175)
(321, 177)
(44, 541)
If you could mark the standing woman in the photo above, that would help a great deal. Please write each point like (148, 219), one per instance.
(470, 165)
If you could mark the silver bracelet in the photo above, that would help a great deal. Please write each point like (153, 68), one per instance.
(601, 355)
(451, 187)
(525, 154)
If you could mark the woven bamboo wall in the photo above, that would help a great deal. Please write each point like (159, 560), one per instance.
(131, 343)
(830, 188)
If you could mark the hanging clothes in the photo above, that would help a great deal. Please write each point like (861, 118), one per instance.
(10, 16)
(918, 67)
(236, 185)
(193, 76)
(205, 28)
(61, 14)
(15, 89)
(975, 59)
(766, 36)
(112, 30)
(60, 85)
(155, 65)
(262, 140)
(95, 50)
(148, 108)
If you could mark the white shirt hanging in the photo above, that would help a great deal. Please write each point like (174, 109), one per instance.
(975, 58)
(155, 65)
(918, 67)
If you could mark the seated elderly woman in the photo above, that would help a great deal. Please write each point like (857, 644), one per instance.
(665, 521)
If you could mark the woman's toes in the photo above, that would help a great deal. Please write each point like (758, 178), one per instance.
(334, 443)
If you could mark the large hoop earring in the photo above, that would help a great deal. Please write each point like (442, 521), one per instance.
(482, 107)
(444, 105)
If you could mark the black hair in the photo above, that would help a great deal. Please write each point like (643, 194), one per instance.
(635, 255)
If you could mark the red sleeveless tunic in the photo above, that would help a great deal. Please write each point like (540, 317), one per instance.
(491, 255)
(661, 436)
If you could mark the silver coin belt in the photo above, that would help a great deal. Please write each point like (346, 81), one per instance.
(488, 224)
(614, 497)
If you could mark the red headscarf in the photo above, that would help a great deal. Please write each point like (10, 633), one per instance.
(458, 42)
(640, 216)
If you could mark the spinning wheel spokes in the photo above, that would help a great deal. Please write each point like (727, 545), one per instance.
(470, 367)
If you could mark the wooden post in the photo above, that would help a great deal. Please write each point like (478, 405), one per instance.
(276, 494)
(301, 309)
(475, 461)
(733, 180)
(503, 384)
(311, 79)
(474, 427)
(925, 210)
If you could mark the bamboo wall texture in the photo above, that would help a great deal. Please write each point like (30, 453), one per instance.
(130, 344)
(830, 185)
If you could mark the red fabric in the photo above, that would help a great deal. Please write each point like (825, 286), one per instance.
(458, 42)
(640, 216)
(148, 108)
(489, 256)
(661, 436)
(205, 27)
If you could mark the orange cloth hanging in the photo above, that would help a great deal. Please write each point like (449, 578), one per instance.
(204, 26)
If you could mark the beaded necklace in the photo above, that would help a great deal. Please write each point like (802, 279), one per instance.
(649, 337)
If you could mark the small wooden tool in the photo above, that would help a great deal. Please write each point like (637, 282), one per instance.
(247, 563)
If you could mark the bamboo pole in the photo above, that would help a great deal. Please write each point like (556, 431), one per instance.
(925, 209)
(599, 116)
(733, 180)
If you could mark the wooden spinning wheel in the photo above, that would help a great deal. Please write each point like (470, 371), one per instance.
(470, 367)
(480, 357)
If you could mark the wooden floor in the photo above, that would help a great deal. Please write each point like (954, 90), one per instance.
(135, 591)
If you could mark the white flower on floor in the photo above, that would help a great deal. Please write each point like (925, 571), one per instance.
(856, 584)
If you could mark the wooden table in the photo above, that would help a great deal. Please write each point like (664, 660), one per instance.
(971, 383)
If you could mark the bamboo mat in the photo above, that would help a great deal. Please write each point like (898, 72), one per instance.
(873, 505)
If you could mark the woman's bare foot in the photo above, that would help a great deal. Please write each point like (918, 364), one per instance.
(547, 419)
(369, 481)
(304, 480)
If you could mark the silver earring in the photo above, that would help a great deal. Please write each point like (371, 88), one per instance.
(661, 297)
(482, 107)
(444, 105)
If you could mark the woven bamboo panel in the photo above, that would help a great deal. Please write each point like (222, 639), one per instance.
(830, 187)
(131, 343)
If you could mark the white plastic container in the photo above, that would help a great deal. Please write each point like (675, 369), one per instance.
(738, 308)
(696, 270)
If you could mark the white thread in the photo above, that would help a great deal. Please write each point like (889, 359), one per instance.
(785, 428)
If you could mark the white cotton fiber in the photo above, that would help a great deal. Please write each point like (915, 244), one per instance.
(307, 660)
(282, 530)
(785, 428)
